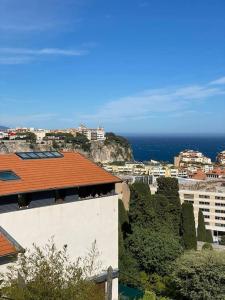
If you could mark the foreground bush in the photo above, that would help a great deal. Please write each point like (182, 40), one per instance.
(47, 273)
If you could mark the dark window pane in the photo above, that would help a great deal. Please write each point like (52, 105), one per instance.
(8, 175)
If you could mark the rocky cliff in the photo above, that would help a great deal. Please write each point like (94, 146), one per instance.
(114, 148)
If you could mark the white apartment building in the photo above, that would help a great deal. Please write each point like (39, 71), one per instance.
(61, 195)
(92, 134)
(210, 198)
(221, 158)
(191, 157)
(40, 134)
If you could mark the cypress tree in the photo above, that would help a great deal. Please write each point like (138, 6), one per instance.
(141, 211)
(170, 189)
(209, 238)
(162, 210)
(201, 227)
(123, 219)
(188, 227)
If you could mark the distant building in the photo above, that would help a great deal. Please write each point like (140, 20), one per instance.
(92, 134)
(40, 134)
(187, 157)
(64, 195)
(221, 158)
(209, 196)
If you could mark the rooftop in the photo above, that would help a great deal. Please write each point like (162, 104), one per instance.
(8, 246)
(70, 170)
(216, 186)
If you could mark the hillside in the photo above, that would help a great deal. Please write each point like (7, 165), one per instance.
(3, 127)
(114, 148)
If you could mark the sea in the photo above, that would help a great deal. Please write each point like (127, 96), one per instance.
(164, 148)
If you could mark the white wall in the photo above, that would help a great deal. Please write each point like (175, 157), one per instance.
(77, 224)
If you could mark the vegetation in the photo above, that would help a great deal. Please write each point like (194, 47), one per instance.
(188, 227)
(117, 139)
(159, 256)
(201, 227)
(27, 136)
(222, 242)
(62, 138)
(200, 275)
(47, 273)
(170, 189)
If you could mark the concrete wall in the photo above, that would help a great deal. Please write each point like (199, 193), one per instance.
(77, 224)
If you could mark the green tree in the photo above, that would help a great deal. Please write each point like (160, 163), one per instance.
(222, 241)
(188, 227)
(201, 232)
(123, 219)
(154, 250)
(170, 189)
(209, 238)
(141, 211)
(47, 273)
(207, 246)
(162, 211)
(200, 275)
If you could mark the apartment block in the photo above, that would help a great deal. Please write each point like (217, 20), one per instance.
(210, 198)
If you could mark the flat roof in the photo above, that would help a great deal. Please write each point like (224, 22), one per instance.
(71, 170)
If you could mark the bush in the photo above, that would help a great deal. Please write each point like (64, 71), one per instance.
(200, 275)
(47, 273)
(155, 251)
(207, 246)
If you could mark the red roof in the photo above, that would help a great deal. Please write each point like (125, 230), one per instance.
(6, 247)
(52, 173)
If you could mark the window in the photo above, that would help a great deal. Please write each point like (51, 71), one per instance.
(219, 198)
(8, 175)
(204, 196)
(206, 216)
(205, 209)
(203, 203)
(189, 196)
(189, 201)
(219, 218)
(39, 154)
(220, 225)
(220, 204)
(220, 211)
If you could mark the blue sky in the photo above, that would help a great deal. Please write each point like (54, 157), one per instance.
(133, 66)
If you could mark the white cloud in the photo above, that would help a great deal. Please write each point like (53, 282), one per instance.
(15, 56)
(26, 120)
(30, 16)
(44, 51)
(218, 81)
(153, 103)
(15, 60)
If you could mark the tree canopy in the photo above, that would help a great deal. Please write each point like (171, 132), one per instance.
(200, 275)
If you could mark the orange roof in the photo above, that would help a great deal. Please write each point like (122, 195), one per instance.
(51, 173)
(6, 248)
(199, 175)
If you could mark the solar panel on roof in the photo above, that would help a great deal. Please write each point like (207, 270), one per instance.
(39, 154)
(8, 175)
(49, 154)
(32, 155)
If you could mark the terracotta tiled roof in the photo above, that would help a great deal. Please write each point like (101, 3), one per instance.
(6, 247)
(199, 175)
(44, 174)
